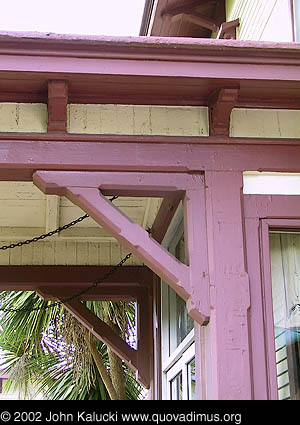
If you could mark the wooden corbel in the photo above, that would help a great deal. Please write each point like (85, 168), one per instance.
(87, 190)
(139, 359)
(220, 104)
(57, 106)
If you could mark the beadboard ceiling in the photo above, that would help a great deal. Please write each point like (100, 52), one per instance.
(26, 212)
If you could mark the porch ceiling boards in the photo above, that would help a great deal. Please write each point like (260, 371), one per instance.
(148, 70)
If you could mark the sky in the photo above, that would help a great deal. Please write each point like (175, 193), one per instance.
(89, 17)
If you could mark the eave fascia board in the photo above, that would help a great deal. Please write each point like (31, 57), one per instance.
(143, 48)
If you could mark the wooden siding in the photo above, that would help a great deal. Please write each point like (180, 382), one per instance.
(66, 253)
(26, 212)
(265, 123)
(138, 120)
(23, 117)
(261, 20)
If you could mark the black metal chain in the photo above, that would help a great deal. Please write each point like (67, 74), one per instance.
(78, 294)
(51, 233)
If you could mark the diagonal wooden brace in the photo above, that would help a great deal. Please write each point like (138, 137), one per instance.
(140, 359)
(82, 188)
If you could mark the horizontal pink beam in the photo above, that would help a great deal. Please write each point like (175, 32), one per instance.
(272, 206)
(123, 184)
(19, 159)
(145, 139)
(56, 66)
(28, 278)
(73, 44)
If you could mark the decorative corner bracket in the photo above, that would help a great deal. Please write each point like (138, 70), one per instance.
(188, 281)
(220, 104)
(57, 106)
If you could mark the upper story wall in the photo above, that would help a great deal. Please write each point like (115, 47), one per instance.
(262, 20)
(151, 120)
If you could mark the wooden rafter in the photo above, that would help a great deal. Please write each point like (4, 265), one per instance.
(182, 6)
(202, 21)
(164, 217)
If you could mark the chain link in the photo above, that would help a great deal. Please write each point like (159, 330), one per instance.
(78, 294)
(51, 233)
(45, 235)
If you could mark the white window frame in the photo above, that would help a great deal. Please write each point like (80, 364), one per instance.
(181, 366)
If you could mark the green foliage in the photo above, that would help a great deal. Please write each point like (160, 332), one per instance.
(39, 358)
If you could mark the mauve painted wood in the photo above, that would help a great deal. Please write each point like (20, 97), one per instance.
(191, 283)
(163, 218)
(229, 288)
(221, 102)
(19, 159)
(262, 213)
(258, 330)
(59, 67)
(140, 360)
(272, 206)
(198, 304)
(103, 332)
(145, 337)
(128, 66)
(132, 237)
(28, 278)
(268, 305)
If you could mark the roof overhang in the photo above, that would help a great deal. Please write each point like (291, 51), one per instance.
(148, 70)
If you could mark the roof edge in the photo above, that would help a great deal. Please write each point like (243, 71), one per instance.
(36, 43)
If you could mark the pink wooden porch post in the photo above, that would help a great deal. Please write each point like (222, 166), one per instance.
(226, 339)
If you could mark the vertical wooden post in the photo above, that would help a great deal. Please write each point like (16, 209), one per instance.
(198, 304)
(228, 339)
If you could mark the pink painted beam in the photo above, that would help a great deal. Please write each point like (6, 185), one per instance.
(108, 292)
(116, 183)
(20, 158)
(272, 206)
(28, 278)
(139, 360)
(230, 60)
(102, 331)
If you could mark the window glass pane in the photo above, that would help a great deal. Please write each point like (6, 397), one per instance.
(184, 323)
(297, 19)
(176, 387)
(285, 271)
(180, 322)
(191, 379)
